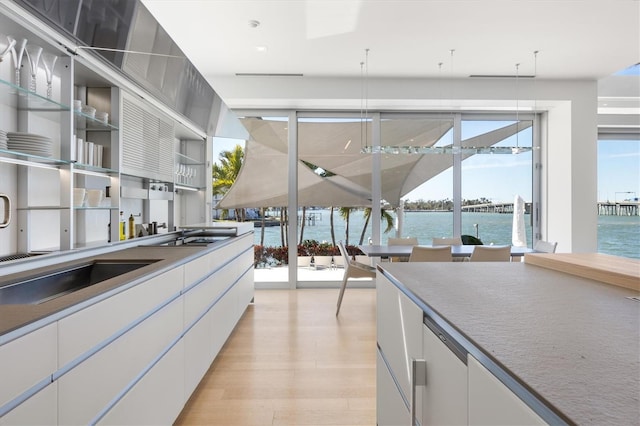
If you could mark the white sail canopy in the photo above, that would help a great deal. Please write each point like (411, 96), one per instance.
(332, 171)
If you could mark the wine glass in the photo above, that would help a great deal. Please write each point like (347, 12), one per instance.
(189, 175)
(33, 55)
(17, 52)
(6, 44)
(194, 173)
(49, 61)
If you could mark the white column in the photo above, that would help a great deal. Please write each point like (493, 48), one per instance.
(376, 181)
(569, 172)
(292, 237)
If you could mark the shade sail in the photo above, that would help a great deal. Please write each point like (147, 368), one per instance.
(335, 147)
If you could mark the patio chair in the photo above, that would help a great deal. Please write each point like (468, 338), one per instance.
(430, 254)
(545, 246)
(444, 241)
(352, 269)
(408, 241)
(491, 254)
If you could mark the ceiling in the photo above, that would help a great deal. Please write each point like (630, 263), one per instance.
(576, 39)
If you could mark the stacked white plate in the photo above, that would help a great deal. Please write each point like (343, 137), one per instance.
(3, 139)
(30, 143)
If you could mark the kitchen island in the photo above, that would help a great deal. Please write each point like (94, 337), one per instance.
(130, 349)
(559, 347)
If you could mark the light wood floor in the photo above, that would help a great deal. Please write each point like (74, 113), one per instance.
(290, 361)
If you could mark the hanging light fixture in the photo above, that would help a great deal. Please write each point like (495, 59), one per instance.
(449, 149)
(517, 107)
(364, 102)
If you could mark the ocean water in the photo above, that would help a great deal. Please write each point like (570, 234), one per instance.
(617, 235)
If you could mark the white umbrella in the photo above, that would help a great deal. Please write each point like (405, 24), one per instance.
(518, 233)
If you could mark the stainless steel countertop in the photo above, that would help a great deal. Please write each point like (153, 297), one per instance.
(574, 341)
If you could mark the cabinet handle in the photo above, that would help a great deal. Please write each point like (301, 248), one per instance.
(7, 211)
(418, 378)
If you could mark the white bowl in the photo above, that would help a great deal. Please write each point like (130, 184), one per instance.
(79, 196)
(89, 110)
(102, 116)
(94, 197)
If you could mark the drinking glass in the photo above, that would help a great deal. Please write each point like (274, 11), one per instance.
(33, 54)
(49, 61)
(17, 52)
(6, 44)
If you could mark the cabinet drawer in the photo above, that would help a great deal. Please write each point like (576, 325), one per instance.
(199, 351)
(399, 324)
(157, 398)
(199, 297)
(492, 403)
(27, 360)
(444, 397)
(391, 409)
(89, 387)
(40, 409)
(85, 329)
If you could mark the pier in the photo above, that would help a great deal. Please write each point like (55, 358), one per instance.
(494, 208)
(605, 208)
(619, 208)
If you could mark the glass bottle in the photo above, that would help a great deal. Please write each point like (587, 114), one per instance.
(132, 226)
(123, 225)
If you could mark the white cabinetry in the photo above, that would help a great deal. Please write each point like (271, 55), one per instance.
(492, 403)
(444, 396)
(157, 398)
(134, 357)
(27, 361)
(450, 392)
(399, 325)
(89, 327)
(391, 407)
(40, 409)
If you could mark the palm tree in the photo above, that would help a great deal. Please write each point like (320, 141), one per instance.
(226, 173)
(304, 217)
(384, 216)
(345, 212)
(333, 234)
(283, 226)
(263, 224)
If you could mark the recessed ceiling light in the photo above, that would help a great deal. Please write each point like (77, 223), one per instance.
(253, 23)
(261, 48)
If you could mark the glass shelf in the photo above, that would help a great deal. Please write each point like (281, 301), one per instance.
(88, 123)
(82, 168)
(21, 158)
(87, 208)
(23, 99)
(184, 159)
(43, 208)
(187, 187)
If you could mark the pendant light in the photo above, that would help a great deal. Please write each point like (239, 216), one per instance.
(449, 149)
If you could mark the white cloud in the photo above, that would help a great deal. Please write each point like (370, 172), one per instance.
(625, 155)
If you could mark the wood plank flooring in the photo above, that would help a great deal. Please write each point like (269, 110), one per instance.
(290, 361)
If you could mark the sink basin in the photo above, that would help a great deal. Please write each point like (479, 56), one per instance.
(43, 288)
